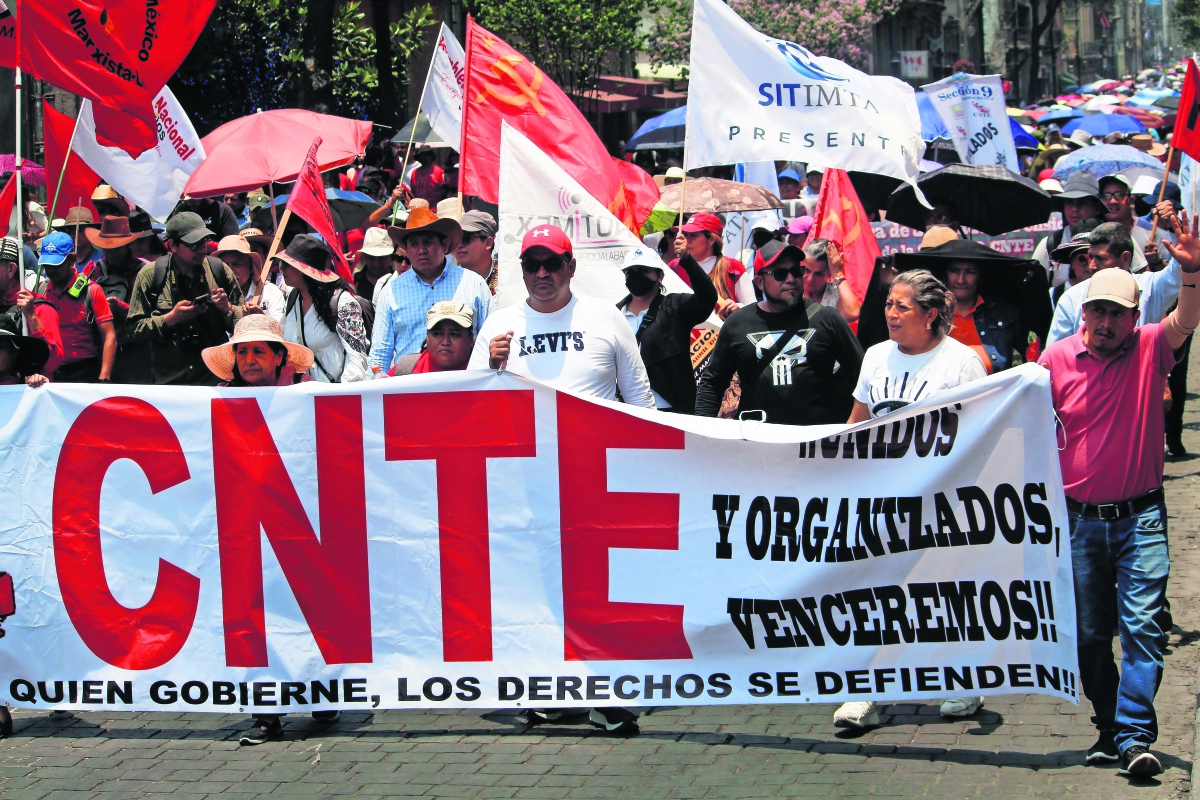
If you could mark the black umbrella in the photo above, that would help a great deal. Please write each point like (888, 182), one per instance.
(1170, 102)
(986, 197)
(873, 189)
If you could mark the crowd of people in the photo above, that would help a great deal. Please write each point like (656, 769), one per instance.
(1102, 304)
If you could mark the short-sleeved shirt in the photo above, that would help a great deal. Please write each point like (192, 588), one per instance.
(78, 327)
(1112, 415)
(890, 379)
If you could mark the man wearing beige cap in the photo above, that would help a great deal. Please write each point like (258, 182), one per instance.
(475, 249)
(1106, 383)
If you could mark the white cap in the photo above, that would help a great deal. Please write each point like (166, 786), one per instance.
(642, 257)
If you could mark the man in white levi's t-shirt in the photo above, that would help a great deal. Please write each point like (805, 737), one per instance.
(577, 344)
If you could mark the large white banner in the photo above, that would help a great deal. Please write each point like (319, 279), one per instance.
(536, 191)
(443, 94)
(755, 98)
(474, 539)
(973, 108)
(155, 179)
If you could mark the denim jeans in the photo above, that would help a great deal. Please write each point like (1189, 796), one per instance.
(1121, 571)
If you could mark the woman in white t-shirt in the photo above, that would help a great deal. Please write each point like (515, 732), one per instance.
(918, 360)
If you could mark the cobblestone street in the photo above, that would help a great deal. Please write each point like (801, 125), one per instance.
(1016, 746)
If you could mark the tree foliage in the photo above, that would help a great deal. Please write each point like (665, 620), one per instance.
(838, 29)
(570, 40)
(250, 56)
(1187, 12)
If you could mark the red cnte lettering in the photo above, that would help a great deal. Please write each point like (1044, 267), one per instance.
(593, 520)
(460, 431)
(330, 577)
(129, 638)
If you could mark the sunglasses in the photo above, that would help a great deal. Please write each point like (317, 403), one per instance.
(196, 247)
(780, 274)
(533, 266)
(467, 238)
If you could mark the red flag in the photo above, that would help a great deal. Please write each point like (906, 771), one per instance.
(1187, 123)
(80, 181)
(8, 199)
(502, 85)
(308, 202)
(8, 37)
(118, 53)
(840, 217)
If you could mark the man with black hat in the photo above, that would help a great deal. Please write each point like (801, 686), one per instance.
(22, 358)
(1073, 259)
(1079, 200)
(147, 246)
(475, 249)
(213, 213)
(400, 314)
(182, 303)
(797, 360)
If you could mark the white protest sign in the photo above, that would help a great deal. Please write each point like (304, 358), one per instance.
(536, 191)
(474, 539)
(755, 98)
(973, 108)
(156, 178)
(442, 101)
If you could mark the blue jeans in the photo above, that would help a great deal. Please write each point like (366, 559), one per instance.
(1121, 571)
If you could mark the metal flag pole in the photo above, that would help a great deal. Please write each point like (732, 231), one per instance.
(412, 135)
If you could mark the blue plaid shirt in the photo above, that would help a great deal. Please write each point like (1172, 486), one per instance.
(400, 316)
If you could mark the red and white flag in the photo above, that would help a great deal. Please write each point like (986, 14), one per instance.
(153, 179)
(79, 181)
(308, 201)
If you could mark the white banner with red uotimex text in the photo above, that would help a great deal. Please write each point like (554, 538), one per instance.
(475, 539)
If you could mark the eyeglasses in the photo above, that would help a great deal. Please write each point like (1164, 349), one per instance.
(780, 274)
(535, 265)
(467, 238)
(1113, 195)
(196, 246)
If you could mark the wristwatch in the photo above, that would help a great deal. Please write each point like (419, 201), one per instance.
(837, 281)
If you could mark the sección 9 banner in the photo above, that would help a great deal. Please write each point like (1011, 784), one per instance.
(477, 539)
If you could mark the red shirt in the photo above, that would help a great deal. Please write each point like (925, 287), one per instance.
(1112, 415)
(735, 270)
(79, 339)
(964, 331)
(48, 332)
(428, 183)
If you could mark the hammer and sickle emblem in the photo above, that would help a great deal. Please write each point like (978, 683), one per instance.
(527, 92)
(848, 237)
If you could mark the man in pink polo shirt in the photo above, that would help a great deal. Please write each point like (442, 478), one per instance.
(1106, 382)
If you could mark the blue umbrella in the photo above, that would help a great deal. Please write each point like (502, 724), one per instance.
(665, 130)
(352, 207)
(1146, 97)
(1021, 137)
(932, 126)
(1061, 115)
(1104, 159)
(1103, 124)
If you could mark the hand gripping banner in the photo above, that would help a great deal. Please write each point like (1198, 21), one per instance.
(474, 539)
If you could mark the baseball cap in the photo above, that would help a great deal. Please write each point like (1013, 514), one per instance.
(187, 227)
(549, 237)
(704, 221)
(10, 249)
(800, 225)
(257, 200)
(1116, 176)
(769, 253)
(817, 168)
(1051, 185)
(789, 174)
(479, 222)
(1115, 285)
(641, 257)
(675, 172)
(377, 243)
(55, 248)
(458, 313)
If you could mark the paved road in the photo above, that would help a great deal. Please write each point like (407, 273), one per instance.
(1019, 745)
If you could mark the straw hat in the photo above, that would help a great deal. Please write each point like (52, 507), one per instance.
(422, 220)
(309, 254)
(937, 235)
(257, 237)
(113, 233)
(254, 328)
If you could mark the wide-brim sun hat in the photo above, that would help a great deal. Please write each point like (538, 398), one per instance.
(254, 328)
(309, 254)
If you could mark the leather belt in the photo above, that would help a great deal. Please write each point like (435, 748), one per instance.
(1110, 512)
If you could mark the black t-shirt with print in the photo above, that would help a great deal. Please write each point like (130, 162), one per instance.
(810, 382)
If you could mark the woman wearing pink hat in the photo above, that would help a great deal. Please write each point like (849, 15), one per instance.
(257, 355)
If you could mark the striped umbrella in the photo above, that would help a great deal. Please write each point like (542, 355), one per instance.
(1145, 117)
(31, 174)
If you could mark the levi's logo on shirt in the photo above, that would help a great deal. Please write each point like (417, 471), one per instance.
(557, 342)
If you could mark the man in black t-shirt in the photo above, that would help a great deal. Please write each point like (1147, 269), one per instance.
(806, 381)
